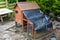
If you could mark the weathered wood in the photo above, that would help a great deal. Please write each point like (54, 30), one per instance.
(2, 2)
(2, 6)
(12, 4)
(6, 3)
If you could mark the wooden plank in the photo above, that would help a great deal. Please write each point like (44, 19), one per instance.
(6, 3)
(2, 2)
(12, 4)
(11, 7)
(2, 6)
(16, 0)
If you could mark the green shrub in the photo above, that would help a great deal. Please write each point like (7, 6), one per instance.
(11, 1)
(2, 0)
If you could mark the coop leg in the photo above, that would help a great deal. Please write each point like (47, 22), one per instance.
(32, 31)
(22, 27)
(28, 32)
(34, 34)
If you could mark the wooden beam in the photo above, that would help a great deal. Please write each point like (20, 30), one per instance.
(6, 4)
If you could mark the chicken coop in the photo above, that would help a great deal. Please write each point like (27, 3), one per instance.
(30, 14)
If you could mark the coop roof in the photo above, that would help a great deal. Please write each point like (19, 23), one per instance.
(28, 5)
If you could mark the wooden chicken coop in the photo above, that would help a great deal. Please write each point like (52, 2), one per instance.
(29, 13)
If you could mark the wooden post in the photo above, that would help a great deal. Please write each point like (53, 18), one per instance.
(16, 0)
(34, 34)
(28, 32)
(6, 3)
(32, 30)
(22, 26)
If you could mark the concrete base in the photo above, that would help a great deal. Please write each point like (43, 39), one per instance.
(6, 25)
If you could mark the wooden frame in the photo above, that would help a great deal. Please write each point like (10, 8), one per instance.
(33, 31)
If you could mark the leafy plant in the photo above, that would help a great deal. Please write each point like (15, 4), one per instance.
(2, 0)
(12, 1)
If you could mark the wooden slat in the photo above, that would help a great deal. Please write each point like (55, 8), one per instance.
(11, 7)
(12, 4)
(2, 2)
(2, 6)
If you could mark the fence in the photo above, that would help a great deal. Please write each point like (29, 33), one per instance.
(5, 4)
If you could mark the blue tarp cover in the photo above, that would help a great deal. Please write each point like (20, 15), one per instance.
(37, 18)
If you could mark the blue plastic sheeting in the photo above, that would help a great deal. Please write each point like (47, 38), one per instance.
(37, 18)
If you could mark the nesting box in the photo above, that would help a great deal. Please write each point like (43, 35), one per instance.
(29, 13)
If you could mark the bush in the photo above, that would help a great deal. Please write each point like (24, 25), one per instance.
(2, 0)
(12, 1)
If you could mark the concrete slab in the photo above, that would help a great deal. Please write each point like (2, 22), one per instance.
(6, 25)
(10, 34)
